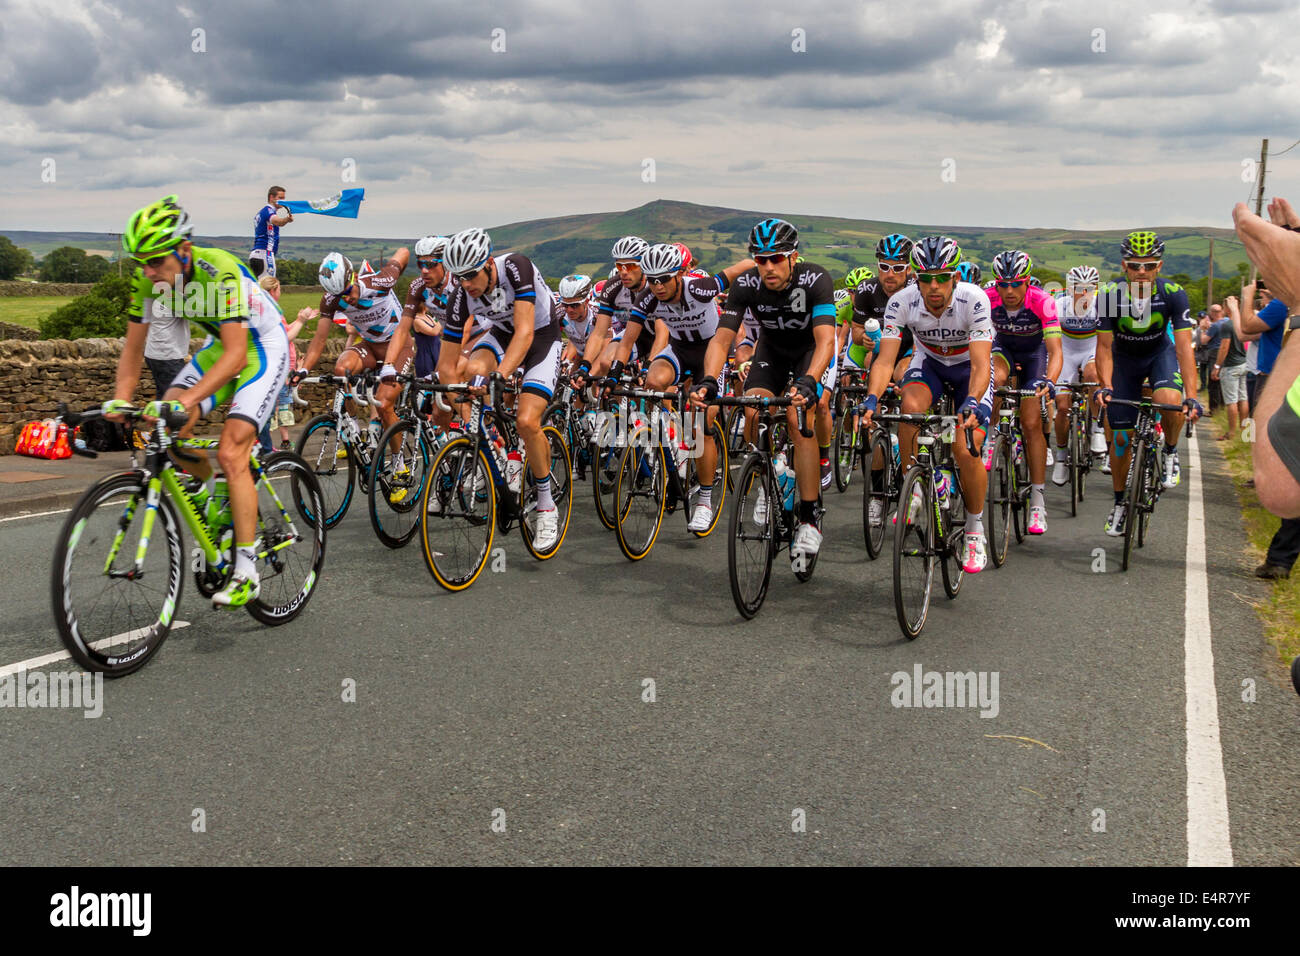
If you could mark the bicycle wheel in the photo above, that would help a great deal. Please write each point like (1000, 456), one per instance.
(290, 548)
(1076, 470)
(604, 474)
(111, 618)
(1085, 454)
(561, 494)
(878, 486)
(1020, 494)
(457, 515)
(1150, 493)
(952, 544)
(845, 448)
(721, 472)
(333, 462)
(1133, 497)
(914, 551)
(997, 508)
(752, 540)
(640, 491)
(396, 481)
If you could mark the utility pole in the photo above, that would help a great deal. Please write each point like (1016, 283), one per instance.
(1259, 195)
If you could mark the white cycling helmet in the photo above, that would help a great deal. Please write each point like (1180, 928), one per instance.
(663, 258)
(335, 272)
(1082, 275)
(629, 248)
(431, 247)
(467, 251)
(575, 287)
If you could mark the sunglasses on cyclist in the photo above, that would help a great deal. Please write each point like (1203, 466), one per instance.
(154, 262)
(942, 278)
(660, 280)
(1011, 283)
(770, 260)
(1142, 266)
(627, 264)
(427, 263)
(891, 267)
(467, 276)
(574, 305)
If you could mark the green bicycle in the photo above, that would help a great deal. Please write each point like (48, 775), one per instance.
(115, 597)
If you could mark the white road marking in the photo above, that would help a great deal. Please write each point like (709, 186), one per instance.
(38, 514)
(1208, 840)
(35, 662)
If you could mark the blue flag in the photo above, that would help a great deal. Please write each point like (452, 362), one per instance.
(345, 204)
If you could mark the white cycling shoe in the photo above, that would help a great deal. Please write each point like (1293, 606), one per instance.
(701, 519)
(976, 557)
(1060, 473)
(807, 542)
(1098, 443)
(547, 530)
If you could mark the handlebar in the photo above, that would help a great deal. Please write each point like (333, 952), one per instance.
(928, 420)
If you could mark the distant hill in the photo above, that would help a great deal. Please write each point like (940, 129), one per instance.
(717, 235)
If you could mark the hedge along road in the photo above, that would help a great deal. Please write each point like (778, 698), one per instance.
(599, 711)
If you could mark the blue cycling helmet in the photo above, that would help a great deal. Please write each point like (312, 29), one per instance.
(773, 236)
(894, 246)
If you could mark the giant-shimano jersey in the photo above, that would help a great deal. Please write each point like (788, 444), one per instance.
(517, 279)
(691, 318)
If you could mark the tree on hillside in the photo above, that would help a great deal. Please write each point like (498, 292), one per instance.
(296, 271)
(70, 264)
(100, 313)
(14, 261)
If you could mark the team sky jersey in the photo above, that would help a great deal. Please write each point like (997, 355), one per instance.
(517, 279)
(691, 318)
(786, 316)
(576, 332)
(869, 302)
(1025, 329)
(221, 290)
(377, 312)
(947, 338)
(617, 301)
(1142, 326)
(1076, 326)
(423, 297)
(265, 235)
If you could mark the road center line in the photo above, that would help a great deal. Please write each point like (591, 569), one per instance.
(34, 662)
(1208, 840)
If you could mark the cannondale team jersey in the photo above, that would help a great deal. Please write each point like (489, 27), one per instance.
(577, 332)
(1142, 326)
(787, 315)
(1072, 325)
(517, 280)
(220, 290)
(617, 301)
(945, 338)
(693, 316)
(1024, 329)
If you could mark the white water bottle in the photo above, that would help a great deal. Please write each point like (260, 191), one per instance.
(514, 471)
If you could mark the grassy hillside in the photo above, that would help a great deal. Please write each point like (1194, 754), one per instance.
(717, 235)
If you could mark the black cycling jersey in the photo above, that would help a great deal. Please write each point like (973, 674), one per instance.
(787, 315)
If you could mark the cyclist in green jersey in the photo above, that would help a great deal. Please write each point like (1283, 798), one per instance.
(244, 360)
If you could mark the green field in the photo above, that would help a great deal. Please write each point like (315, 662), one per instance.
(29, 310)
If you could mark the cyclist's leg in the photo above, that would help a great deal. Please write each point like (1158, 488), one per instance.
(1127, 377)
(922, 387)
(386, 395)
(352, 360)
(1167, 387)
(541, 367)
(196, 461)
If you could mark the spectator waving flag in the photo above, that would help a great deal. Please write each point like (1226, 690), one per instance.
(345, 204)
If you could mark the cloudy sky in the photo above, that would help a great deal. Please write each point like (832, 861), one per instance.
(1091, 115)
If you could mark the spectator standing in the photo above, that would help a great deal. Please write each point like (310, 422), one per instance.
(283, 416)
(1230, 372)
(1204, 359)
(167, 347)
(266, 232)
(1210, 340)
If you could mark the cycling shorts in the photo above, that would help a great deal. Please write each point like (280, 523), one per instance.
(1076, 353)
(253, 394)
(1026, 366)
(686, 358)
(541, 364)
(1130, 372)
(938, 378)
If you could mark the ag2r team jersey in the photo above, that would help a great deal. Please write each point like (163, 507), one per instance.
(265, 235)
(1142, 326)
(517, 279)
(1026, 328)
(787, 316)
(422, 297)
(377, 312)
(577, 332)
(945, 339)
(693, 317)
(220, 290)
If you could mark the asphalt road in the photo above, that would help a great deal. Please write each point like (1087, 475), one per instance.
(776, 741)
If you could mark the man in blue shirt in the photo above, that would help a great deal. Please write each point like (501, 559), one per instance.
(266, 233)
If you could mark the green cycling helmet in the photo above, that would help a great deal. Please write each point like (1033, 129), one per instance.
(156, 230)
(857, 276)
(1142, 245)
